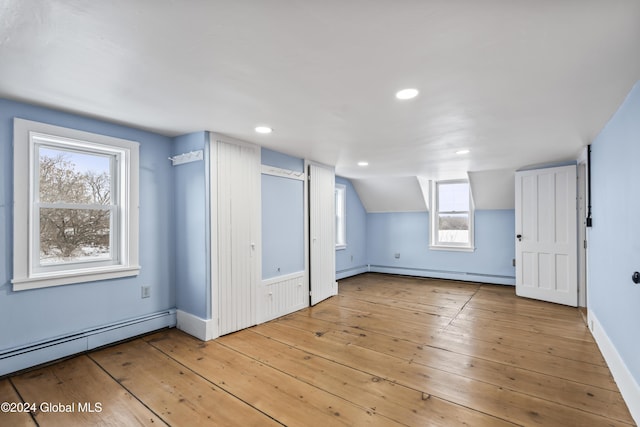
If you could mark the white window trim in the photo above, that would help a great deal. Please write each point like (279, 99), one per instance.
(343, 189)
(25, 275)
(433, 215)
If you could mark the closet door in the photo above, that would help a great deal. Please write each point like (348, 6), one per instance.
(238, 222)
(322, 222)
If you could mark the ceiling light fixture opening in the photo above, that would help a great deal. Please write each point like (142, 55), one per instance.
(263, 129)
(407, 93)
(363, 164)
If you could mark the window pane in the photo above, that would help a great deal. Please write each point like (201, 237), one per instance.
(74, 235)
(453, 197)
(73, 177)
(453, 228)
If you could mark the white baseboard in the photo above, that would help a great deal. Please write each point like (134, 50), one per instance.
(626, 383)
(203, 329)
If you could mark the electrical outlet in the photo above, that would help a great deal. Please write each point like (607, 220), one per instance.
(397, 255)
(145, 291)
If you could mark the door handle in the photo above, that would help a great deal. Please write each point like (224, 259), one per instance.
(519, 237)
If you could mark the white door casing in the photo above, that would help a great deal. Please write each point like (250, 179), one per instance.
(546, 235)
(582, 234)
(322, 248)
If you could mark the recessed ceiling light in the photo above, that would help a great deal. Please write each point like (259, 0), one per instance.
(263, 129)
(407, 93)
(363, 163)
(462, 152)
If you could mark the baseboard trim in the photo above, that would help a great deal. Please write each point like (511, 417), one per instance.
(353, 271)
(27, 356)
(624, 379)
(203, 329)
(443, 274)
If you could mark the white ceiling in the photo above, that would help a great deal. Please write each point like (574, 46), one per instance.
(516, 82)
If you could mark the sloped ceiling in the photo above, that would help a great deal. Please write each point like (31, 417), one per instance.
(390, 194)
(515, 82)
(494, 189)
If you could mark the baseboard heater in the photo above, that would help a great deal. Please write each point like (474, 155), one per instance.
(352, 271)
(18, 358)
(444, 274)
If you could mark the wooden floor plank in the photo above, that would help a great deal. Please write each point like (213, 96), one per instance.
(79, 386)
(527, 341)
(389, 350)
(15, 414)
(423, 296)
(384, 324)
(173, 391)
(586, 373)
(575, 394)
(578, 371)
(440, 310)
(514, 305)
(291, 401)
(394, 401)
(385, 313)
(581, 372)
(573, 329)
(508, 405)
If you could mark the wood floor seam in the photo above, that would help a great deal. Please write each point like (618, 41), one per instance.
(388, 351)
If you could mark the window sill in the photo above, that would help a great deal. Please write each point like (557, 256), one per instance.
(341, 247)
(452, 248)
(79, 276)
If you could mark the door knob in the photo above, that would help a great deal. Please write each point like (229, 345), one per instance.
(519, 237)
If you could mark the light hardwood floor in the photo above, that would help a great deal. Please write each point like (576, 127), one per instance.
(389, 350)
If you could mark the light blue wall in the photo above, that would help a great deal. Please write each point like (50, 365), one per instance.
(353, 259)
(407, 233)
(191, 221)
(614, 239)
(280, 160)
(282, 217)
(30, 316)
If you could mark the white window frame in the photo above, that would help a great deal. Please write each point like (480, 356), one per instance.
(435, 244)
(27, 273)
(341, 216)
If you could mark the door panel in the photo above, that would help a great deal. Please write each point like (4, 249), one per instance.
(546, 221)
(238, 192)
(322, 247)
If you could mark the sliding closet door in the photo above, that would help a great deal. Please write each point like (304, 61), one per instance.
(238, 222)
(322, 247)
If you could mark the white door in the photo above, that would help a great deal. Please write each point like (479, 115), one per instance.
(322, 247)
(546, 239)
(238, 219)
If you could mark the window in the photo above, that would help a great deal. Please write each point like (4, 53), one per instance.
(75, 211)
(451, 216)
(341, 219)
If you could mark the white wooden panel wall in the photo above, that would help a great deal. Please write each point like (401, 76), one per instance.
(283, 295)
(238, 195)
(322, 217)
